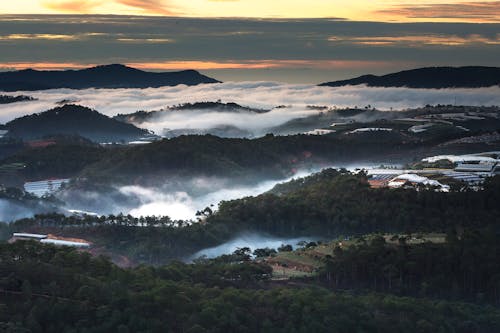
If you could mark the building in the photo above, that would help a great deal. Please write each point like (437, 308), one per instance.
(475, 166)
(44, 187)
(50, 239)
(380, 180)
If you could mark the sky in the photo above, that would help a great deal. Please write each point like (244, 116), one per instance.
(295, 41)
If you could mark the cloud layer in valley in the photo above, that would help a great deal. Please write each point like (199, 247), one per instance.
(263, 95)
(178, 202)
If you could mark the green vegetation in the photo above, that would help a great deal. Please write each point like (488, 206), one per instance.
(45, 289)
(412, 282)
(336, 202)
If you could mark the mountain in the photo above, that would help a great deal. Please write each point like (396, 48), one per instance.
(73, 119)
(107, 76)
(139, 117)
(5, 99)
(430, 78)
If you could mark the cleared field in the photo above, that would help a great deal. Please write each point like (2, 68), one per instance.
(306, 261)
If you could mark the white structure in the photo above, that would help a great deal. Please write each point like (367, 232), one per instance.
(370, 129)
(416, 179)
(44, 187)
(320, 131)
(60, 242)
(22, 235)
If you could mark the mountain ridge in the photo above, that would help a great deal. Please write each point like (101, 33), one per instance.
(103, 76)
(429, 78)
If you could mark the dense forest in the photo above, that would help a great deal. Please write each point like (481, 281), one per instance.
(45, 289)
(334, 202)
(463, 267)
(325, 205)
(368, 283)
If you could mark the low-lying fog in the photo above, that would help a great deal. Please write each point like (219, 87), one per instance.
(262, 95)
(180, 200)
(252, 241)
(11, 212)
(178, 204)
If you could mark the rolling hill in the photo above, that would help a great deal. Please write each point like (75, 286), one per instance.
(73, 120)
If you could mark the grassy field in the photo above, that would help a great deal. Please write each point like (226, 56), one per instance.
(304, 262)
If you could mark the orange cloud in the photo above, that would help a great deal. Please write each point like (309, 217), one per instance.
(159, 7)
(485, 11)
(75, 6)
(211, 65)
(257, 64)
(42, 65)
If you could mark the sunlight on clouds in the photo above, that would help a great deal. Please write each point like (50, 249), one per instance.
(38, 36)
(208, 65)
(417, 41)
(360, 10)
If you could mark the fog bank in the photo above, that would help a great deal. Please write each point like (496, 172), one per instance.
(10, 211)
(252, 241)
(262, 95)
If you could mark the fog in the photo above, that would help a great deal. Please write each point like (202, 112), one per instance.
(179, 202)
(10, 212)
(263, 95)
(252, 241)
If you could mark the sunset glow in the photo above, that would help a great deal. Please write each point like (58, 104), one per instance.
(360, 10)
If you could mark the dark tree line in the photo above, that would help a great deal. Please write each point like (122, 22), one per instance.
(463, 267)
(46, 289)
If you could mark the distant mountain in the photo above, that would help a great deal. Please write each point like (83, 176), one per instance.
(6, 99)
(217, 106)
(139, 117)
(107, 76)
(73, 119)
(431, 78)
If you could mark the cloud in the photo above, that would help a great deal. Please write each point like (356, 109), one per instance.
(209, 65)
(263, 95)
(298, 50)
(10, 211)
(178, 198)
(418, 40)
(58, 37)
(259, 64)
(485, 11)
(159, 7)
(76, 6)
(156, 7)
(252, 241)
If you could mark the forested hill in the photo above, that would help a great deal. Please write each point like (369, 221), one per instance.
(144, 116)
(335, 202)
(46, 289)
(73, 119)
(431, 78)
(107, 76)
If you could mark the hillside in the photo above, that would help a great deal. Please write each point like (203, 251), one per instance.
(73, 119)
(430, 78)
(6, 99)
(146, 116)
(107, 76)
